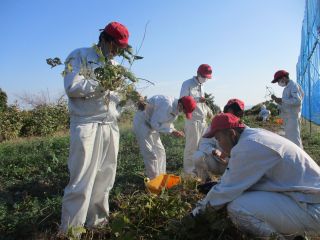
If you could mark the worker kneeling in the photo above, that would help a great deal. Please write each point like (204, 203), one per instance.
(270, 186)
(158, 116)
(210, 159)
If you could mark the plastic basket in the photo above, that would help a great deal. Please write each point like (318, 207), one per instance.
(278, 121)
(166, 181)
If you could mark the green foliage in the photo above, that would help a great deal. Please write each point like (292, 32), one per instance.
(33, 174)
(45, 120)
(3, 100)
(208, 224)
(210, 102)
(10, 123)
(53, 62)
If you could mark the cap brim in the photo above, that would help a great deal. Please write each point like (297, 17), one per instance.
(207, 76)
(209, 134)
(189, 115)
(122, 44)
(274, 80)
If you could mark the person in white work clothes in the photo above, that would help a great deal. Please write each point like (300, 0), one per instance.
(270, 186)
(94, 133)
(158, 116)
(210, 159)
(195, 127)
(264, 113)
(290, 103)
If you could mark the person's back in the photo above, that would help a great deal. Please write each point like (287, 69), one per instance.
(290, 169)
(157, 117)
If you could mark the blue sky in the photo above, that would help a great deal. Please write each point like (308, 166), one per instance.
(245, 42)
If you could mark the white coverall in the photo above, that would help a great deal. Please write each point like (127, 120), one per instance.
(264, 113)
(195, 127)
(270, 186)
(158, 117)
(205, 163)
(292, 96)
(94, 143)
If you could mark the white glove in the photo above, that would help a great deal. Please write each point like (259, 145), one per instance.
(196, 210)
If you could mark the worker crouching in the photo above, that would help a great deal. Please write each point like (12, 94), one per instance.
(270, 186)
(157, 117)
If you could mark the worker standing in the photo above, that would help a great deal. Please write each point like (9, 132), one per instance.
(94, 133)
(195, 127)
(156, 117)
(290, 103)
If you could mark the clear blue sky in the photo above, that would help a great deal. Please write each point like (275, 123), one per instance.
(245, 41)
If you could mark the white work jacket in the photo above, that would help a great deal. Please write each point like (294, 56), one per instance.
(160, 113)
(265, 161)
(207, 145)
(292, 97)
(87, 101)
(193, 88)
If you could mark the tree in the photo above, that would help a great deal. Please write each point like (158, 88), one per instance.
(3, 101)
(210, 102)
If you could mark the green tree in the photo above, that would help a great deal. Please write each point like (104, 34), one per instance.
(210, 102)
(3, 100)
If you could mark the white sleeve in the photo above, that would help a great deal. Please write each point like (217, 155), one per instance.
(296, 96)
(76, 86)
(184, 90)
(207, 145)
(244, 169)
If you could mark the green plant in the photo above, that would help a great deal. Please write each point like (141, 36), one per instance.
(10, 123)
(3, 100)
(45, 120)
(210, 102)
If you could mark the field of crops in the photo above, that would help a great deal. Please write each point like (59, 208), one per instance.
(33, 174)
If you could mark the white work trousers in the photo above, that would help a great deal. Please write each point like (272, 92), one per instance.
(264, 213)
(92, 166)
(151, 148)
(193, 132)
(206, 166)
(292, 130)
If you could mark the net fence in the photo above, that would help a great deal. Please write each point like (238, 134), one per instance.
(308, 66)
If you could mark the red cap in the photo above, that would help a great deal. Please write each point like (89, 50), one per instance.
(119, 33)
(204, 70)
(189, 104)
(223, 121)
(236, 101)
(279, 74)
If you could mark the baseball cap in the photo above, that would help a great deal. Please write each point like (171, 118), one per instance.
(204, 70)
(189, 104)
(235, 101)
(118, 32)
(223, 121)
(279, 74)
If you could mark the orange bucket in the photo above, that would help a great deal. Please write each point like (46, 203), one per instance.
(166, 181)
(279, 121)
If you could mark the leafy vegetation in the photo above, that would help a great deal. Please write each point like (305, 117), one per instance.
(3, 100)
(210, 102)
(33, 174)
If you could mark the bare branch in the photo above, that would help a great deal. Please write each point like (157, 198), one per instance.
(146, 80)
